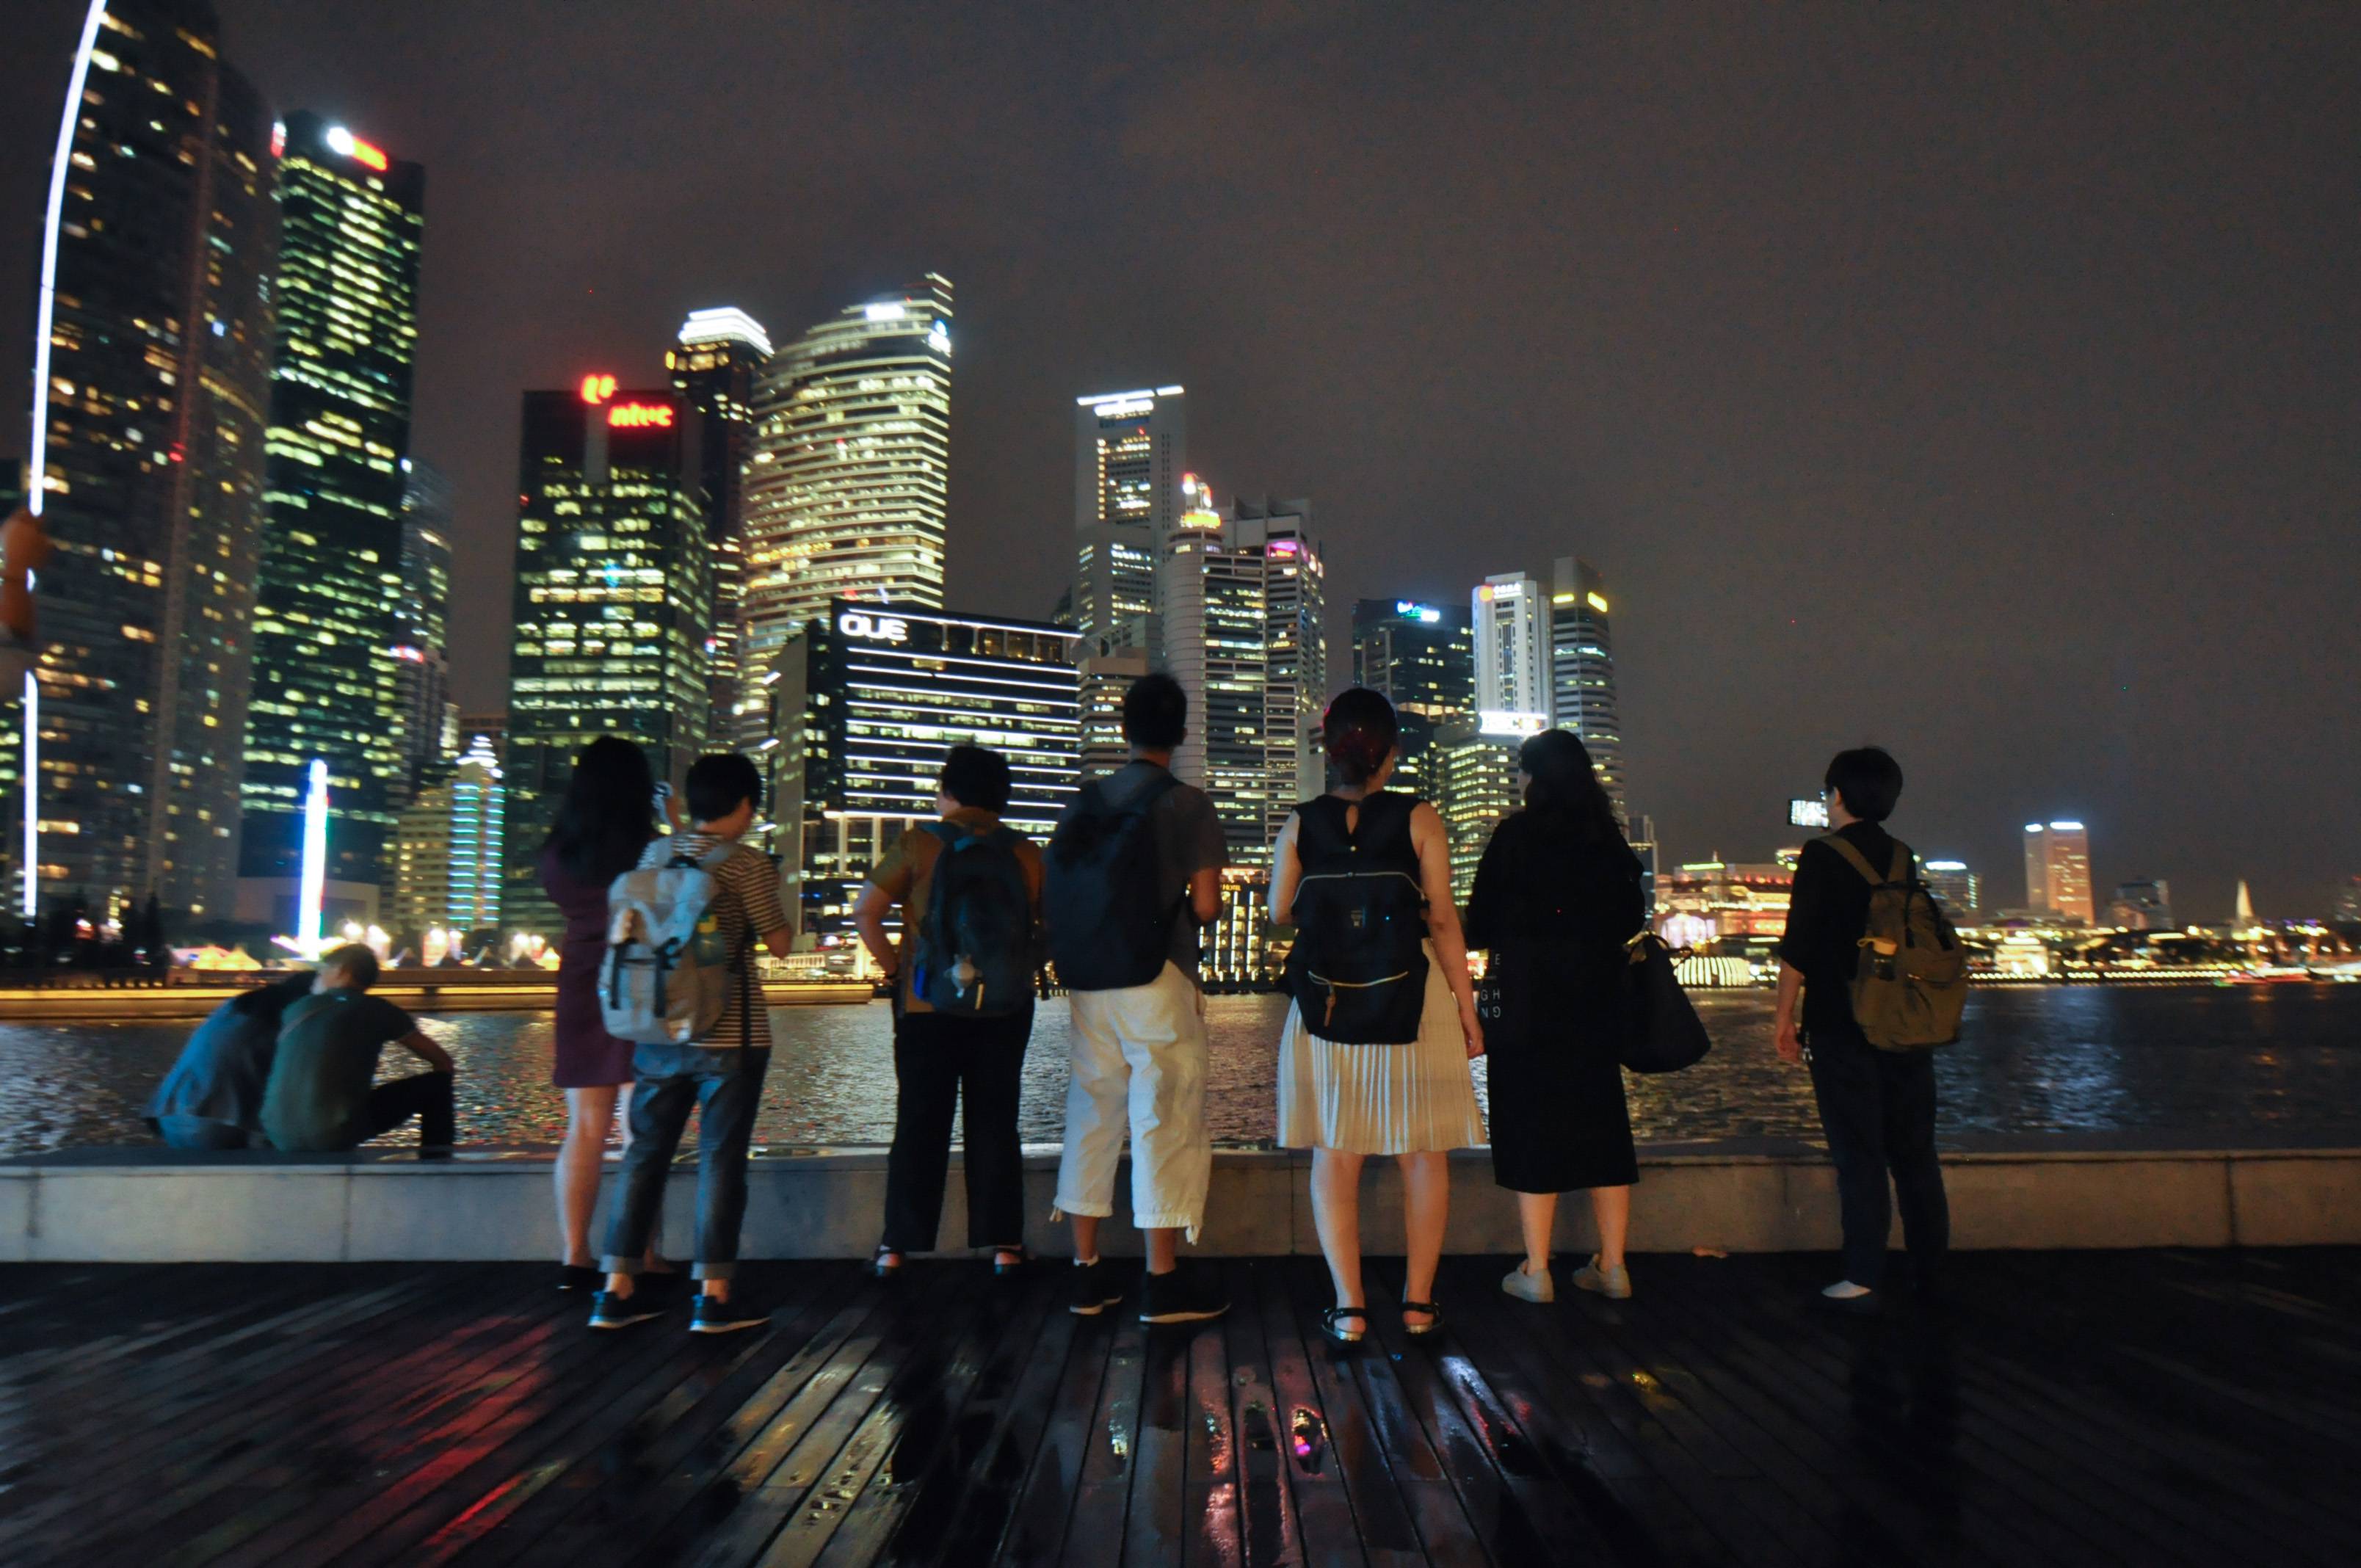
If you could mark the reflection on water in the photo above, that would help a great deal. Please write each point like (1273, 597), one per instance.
(2050, 1059)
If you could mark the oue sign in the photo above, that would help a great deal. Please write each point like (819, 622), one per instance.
(875, 628)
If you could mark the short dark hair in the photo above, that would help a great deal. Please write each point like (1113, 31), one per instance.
(356, 961)
(717, 783)
(977, 777)
(1155, 713)
(1868, 779)
(1359, 731)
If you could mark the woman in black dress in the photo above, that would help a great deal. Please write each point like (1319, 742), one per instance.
(1556, 898)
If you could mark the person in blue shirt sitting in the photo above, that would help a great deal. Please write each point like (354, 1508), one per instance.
(213, 1097)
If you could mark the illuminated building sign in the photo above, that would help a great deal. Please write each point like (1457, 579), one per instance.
(1498, 721)
(1419, 612)
(639, 416)
(875, 628)
(1597, 602)
(598, 388)
(1491, 591)
(1133, 409)
(366, 154)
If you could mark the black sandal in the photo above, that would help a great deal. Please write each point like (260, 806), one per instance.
(1330, 1319)
(1434, 1313)
(1003, 1269)
(880, 1267)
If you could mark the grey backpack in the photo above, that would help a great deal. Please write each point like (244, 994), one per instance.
(667, 973)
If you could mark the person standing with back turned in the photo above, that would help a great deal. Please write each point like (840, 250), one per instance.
(1877, 1107)
(1135, 869)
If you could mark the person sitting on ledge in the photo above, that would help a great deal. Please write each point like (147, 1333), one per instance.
(322, 1095)
(213, 1097)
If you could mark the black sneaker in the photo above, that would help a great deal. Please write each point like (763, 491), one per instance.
(714, 1316)
(608, 1310)
(1091, 1289)
(1184, 1296)
(580, 1276)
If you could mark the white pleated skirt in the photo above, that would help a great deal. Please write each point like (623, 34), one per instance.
(1379, 1099)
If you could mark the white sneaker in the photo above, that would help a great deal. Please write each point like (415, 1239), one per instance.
(1539, 1289)
(1845, 1290)
(1615, 1283)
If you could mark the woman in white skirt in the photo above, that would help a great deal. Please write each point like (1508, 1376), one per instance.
(1373, 1059)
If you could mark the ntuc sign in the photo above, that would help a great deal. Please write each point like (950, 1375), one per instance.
(639, 416)
(874, 628)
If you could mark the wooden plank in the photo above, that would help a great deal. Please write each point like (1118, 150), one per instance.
(1037, 1523)
(994, 1479)
(1211, 1501)
(1154, 1518)
(1102, 1490)
(1347, 1502)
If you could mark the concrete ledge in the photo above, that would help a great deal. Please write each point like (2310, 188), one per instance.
(153, 1205)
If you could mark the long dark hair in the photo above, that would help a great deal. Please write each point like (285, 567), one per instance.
(1564, 788)
(603, 823)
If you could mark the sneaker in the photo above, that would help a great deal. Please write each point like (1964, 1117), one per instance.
(608, 1310)
(1183, 1296)
(712, 1315)
(580, 1276)
(1615, 1283)
(1845, 1296)
(1091, 1289)
(1539, 1289)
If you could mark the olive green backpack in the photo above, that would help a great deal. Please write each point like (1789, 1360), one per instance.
(1912, 983)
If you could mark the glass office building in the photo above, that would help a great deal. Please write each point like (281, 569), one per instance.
(1420, 658)
(714, 362)
(1131, 453)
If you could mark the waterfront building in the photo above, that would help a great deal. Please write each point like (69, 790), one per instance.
(2345, 904)
(2058, 871)
(1582, 671)
(1476, 763)
(1420, 658)
(1957, 888)
(422, 652)
(448, 849)
(1237, 946)
(714, 363)
(1718, 899)
(1103, 678)
(2142, 905)
(612, 604)
(864, 704)
(150, 381)
(325, 621)
(1131, 457)
(848, 483)
(1240, 604)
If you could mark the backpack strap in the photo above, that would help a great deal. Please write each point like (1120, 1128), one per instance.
(1859, 862)
(1903, 864)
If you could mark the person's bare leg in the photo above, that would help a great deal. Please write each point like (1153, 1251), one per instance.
(1086, 1237)
(1537, 1216)
(1163, 1249)
(1336, 1214)
(589, 1114)
(1426, 1209)
(1612, 1208)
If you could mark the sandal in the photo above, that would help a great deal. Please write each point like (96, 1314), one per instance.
(1332, 1319)
(880, 1267)
(1009, 1260)
(1434, 1313)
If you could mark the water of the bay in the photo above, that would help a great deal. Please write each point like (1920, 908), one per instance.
(2278, 1062)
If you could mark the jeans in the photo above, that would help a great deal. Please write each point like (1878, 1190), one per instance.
(724, 1086)
(425, 1095)
(1878, 1111)
(980, 1063)
(1139, 1059)
(201, 1133)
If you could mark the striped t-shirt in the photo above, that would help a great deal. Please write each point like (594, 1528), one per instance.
(746, 909)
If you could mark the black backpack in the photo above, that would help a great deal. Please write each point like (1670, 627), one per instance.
(1358, 970)
(1109, 927)
(975, 954)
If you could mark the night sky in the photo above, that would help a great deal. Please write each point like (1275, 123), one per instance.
(1987, 387)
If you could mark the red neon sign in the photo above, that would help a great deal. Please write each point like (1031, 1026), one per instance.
(639, 416)
(598, 388)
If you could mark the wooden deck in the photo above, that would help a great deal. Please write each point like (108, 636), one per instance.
(2142, 1408)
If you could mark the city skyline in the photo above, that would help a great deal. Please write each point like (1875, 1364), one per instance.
(1947, 412)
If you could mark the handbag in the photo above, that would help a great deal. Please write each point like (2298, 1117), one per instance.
(1661, 1029)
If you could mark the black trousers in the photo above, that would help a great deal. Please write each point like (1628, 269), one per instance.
(425, 1095)
(724, 1086)
(1878, 1111)
(978, 1062)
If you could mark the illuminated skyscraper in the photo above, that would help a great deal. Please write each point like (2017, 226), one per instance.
(2058, 870)
(713, 366)
(327, 620)
(1957, 888)
(422, 648)
(1420, 658)
(613, 604)
(448, 848)
(1131, 450)
(1474, 765)
(151, 343)
(1510, 616)
(848, 487)
(1582, 671)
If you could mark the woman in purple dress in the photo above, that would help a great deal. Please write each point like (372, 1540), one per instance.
(604, 824)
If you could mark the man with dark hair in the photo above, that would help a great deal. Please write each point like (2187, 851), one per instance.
(1877, 1108)
(322, 1095)
(972, 1051)
(213, 1097)
(720, 1076)
(1139, 1050)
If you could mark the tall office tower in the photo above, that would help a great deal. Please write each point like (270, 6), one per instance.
(2145, 905)
(2058, 870)
(1238, 593)
(327, 683)
(1420, 658)
(613, 605)
(422, 650)
(448, 849)
(1958, 889)
(1510, 617)
(1582, 671)
(848, 485)
(1131, 452)
(1103, 679)
(713, 366)
(1475, 761)
(151, 352)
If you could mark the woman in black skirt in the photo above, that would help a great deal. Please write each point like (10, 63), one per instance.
(1555, 900)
